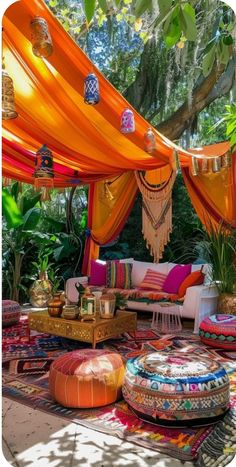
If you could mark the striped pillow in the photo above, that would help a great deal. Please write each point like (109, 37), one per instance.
(153, 280)
(119, 275)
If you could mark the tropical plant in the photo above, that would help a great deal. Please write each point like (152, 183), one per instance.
(121, 301)
(218, 248)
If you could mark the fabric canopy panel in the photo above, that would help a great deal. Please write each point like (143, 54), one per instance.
(51, 109)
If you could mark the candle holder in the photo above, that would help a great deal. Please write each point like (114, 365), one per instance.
(107, 305)
(88, 306)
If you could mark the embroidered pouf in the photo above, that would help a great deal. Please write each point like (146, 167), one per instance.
(219, 331)
(10, 312)
(86, 378)
(170, 388)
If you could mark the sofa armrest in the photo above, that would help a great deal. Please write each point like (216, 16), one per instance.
(200, 301)
(71, 291)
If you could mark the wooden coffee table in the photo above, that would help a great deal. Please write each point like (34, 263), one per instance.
(86, 331)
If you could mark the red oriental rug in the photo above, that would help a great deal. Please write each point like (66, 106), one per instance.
(25, 380)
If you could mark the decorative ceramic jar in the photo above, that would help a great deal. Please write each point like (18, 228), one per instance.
(55, 305)
(41, 291)
(40, 37)
(149, 141)
(127, 124)
(227, 303)
(91, 89)
(107, 305)
(88, 306)
(70, 312)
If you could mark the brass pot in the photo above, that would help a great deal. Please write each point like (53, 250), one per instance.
(55, 305)
(227, 303)
(41, 291)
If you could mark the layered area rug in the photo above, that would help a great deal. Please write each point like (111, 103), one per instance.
(26, 362)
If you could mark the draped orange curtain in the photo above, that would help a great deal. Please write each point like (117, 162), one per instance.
(213, 195)
(110, 203)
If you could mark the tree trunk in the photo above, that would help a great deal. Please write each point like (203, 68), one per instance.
(217, 84)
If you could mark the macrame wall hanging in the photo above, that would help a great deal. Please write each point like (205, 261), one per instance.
(156, 213)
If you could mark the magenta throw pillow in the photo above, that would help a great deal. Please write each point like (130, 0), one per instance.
(98, 273)
(175, 278)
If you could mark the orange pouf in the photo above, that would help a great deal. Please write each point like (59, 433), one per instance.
(86, 378)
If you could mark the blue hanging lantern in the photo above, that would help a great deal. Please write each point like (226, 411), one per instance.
(43, 168)
(91, 89)
(127, 121)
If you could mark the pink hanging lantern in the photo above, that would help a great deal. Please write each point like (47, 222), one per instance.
(149, 141)
(127, 121)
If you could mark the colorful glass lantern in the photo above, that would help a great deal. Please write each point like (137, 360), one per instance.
(194, 166)
(43, 168)
(40, 37)
(8, 99)
(149, 141)
(127, 121)
(226, 160)
(88, 306)
(216, 164)
(107, 305)
(91, 89)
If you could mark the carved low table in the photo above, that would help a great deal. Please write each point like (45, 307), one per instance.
(89, 331)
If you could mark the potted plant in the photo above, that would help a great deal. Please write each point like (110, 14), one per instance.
(41, 290)
(121, 301)
(218, 248)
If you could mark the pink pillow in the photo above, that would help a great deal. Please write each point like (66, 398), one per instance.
(98, 273)
(175, 277)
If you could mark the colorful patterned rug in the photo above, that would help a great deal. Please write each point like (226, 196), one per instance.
(25, 380)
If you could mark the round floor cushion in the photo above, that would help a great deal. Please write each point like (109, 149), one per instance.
(10, 312)
(86, 378)
(219, 331)
(171, 388)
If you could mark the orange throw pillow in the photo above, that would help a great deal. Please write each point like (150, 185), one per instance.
(195, 278)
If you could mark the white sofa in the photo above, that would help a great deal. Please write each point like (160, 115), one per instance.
(199, 301)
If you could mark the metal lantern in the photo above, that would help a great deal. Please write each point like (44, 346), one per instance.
(8, 100)
(88, 306)
(43, 168)
(226, 160)
(91, 89)
(107, 305)
(40, 37)
(149, 141)
(204, 166)
(194, 166)
(6, 182)
(127, 121)
(216, 164)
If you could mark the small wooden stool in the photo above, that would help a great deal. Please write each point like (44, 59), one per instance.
(167, 318)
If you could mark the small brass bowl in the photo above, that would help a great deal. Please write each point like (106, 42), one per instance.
(70, 312)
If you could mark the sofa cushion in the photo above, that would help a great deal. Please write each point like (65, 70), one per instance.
(175, 277)
(97, 273)
(153, 280)
(195, 278)
(140, 268)
(119, 274)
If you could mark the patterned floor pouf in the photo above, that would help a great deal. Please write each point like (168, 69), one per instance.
(219, 331)
(10, 312)
(170, 388)
(87, 378)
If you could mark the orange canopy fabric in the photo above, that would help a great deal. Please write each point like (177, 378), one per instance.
(51, 109)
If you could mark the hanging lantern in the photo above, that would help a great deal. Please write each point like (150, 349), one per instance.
(175, 160)
(91, 89)
(8, 100)
(194, 166)
(6, 182)
(43, 168)
(204, 166)
(149, 141)
(40, 37)
(226, 160)
(127, 121)
(216, 164)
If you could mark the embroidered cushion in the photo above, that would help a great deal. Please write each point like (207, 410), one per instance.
(10, 312)
(86, 378)
(97, 273)
(219, 331)
(173, 388)
(119, 275)
(153, 280)
(195, 278)
(175, 277)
